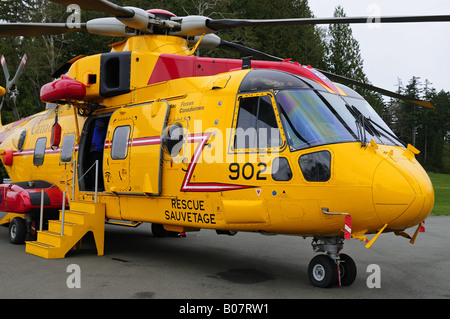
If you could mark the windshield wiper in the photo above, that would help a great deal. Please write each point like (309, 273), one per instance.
(293, 128)
(386, 133)
(364, 124)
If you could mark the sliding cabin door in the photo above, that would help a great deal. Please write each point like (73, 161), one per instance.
(132, 160)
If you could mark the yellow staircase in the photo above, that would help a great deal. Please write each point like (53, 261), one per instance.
(80, 219)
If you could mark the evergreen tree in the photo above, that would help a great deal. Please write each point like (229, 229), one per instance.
(424, 128)
(304, 44)
(344, 58)
(432, 132)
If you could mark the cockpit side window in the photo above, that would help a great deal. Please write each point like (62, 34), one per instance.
(256, 126)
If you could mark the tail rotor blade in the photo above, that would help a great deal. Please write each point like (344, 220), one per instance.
(14, 109)
(5, 69)
(19, 70)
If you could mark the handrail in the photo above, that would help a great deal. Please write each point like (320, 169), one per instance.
(73, 179)
(63, 212)
(41, 217)
(96, 180)
(74, 182)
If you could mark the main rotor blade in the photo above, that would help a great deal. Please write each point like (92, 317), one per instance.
(376, 89)
(219, 24)
(5, 69)
(246, 50)
(100, 6)
(31, 29)
(19, 70)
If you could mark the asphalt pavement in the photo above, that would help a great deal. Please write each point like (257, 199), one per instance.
(246, 266)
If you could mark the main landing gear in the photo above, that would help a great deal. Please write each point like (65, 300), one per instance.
(332, 268)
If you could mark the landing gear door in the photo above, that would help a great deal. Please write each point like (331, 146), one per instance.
(143, 156)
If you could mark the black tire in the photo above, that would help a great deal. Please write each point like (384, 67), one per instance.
(322, 271)
(159, 231)
(347, 268)
(17, 231)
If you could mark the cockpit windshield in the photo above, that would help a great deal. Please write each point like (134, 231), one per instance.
(312, 118)
(362, 119)
(379, 132)
(308, 121)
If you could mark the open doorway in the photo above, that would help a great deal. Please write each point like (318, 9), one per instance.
(91, 148)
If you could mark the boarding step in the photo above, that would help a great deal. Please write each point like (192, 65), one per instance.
(84, 207)
(50, 238)
(55, 226)
(80, 219)
(75, 217)
(40, 249)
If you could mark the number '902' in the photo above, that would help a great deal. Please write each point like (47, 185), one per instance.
(247, 171)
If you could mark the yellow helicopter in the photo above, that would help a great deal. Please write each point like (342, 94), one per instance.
(151, 133)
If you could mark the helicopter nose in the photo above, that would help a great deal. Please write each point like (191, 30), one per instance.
(402, 193)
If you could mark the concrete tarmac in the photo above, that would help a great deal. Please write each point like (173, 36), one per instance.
(207, 266)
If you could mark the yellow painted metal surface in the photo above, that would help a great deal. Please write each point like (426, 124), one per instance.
(209, 183)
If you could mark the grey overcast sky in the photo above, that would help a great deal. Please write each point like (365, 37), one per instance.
(392, 51)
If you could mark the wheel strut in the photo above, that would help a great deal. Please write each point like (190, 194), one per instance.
(332, 267)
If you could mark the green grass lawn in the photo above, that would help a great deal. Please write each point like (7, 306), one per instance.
(441, 184)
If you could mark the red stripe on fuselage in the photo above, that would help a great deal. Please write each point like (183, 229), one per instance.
(171, 67)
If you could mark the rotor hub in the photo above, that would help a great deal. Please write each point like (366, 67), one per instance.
(161, 13)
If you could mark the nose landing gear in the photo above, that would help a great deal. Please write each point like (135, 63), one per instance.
(331, 268)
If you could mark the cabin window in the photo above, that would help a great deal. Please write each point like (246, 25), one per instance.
(39, 151)
(119, 149)
(67, 148)
(22, 137)
(256, 124)
(316, 167)
(281, 170)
